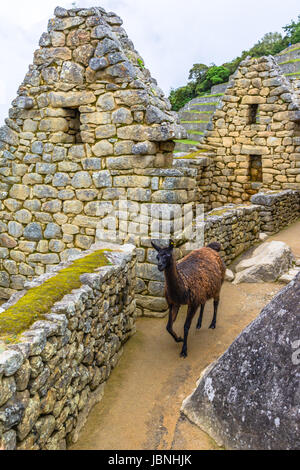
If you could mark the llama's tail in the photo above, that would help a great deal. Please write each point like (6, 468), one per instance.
(214, 246)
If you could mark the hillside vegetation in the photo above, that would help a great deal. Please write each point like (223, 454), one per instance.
(202, 77)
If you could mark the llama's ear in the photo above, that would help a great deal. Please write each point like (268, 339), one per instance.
(156, 247)
(171, 244)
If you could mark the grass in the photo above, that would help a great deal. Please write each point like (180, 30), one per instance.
(210, 96)
(289, 61)
(199, 112)
(206, 104)
(39, 300)
(194, 132)
(192, 122)
(187, 141)
(292, 73)
(193, 155)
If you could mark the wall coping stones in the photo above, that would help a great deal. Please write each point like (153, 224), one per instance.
(269, 198)
(60, 365)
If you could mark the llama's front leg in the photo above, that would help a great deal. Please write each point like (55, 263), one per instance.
(214, 320)
(173, 312)
(199, 323)
(190, 315)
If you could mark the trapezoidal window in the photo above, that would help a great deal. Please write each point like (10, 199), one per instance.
(73, 117)
(253, 114)
(255, 168)
(297, 129)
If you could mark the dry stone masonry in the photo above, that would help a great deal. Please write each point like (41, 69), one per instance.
(56, 370)
(251, 141)
(89, 126)
(86, 156)
(235, 227)
(277, 209)
(256, 130)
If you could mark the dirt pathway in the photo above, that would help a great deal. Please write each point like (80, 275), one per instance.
(141, 405)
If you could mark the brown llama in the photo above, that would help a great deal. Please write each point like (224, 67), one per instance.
(192, 281)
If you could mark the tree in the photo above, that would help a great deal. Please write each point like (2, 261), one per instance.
(213, 76)
(182, 95)
(270, 44)
(203, 77)
(293, 31)
(197, 72)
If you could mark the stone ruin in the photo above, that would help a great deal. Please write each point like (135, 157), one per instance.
(90, 127)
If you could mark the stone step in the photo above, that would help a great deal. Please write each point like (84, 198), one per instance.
(292, 66)
(292, 52)
(192, 162)
(195, 135)
(185, 145)
(193, 115)
(220, 88)
(215, 98)
(194, 126)
(198, 126)
(211, 106)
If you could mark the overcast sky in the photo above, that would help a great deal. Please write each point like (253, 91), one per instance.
(171, 35)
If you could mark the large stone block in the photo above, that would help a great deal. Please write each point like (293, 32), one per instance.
(249, 398)
(267, 263)
(71, 99)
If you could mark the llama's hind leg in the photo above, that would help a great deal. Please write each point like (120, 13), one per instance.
(199, 322)
(173, 312)
(190, 315)
(214, 320)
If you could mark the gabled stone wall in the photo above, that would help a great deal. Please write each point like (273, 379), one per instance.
(89, 126)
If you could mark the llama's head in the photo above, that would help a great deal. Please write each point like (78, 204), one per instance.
(164, 255)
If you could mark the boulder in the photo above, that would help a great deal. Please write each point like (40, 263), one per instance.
(289, 276)
(229, 276)
(267, 263)
(250, 397)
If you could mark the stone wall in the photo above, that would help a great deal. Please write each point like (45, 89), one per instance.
(255, 131)
(89, 126)
(277, 210)
(236, 228)
(53, 374)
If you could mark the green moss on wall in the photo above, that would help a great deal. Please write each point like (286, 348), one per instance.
(39, 300)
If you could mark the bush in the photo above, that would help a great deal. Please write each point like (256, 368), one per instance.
(182, 95)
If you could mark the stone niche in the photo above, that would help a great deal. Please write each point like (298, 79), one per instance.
(89, 126)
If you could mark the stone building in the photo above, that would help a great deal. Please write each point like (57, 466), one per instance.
(256, 128)
(89, 125)
(251, 138)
